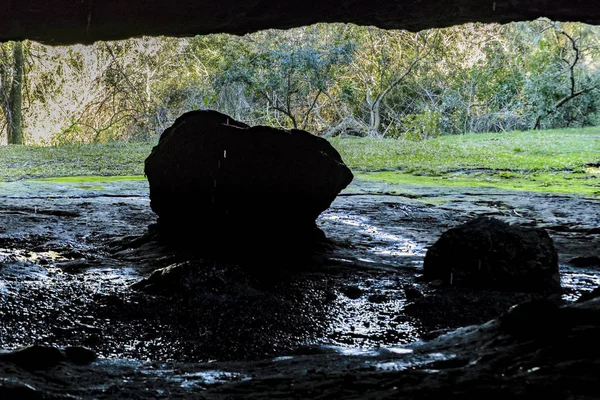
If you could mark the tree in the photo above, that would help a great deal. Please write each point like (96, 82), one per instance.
(286, 73)
(384, 59)
(569, 55)
(325, 78)
(107, 91)
(11, 85)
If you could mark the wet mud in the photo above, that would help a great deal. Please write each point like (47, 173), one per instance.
(76, 267)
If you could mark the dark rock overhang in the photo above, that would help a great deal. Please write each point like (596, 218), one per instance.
(85, 21)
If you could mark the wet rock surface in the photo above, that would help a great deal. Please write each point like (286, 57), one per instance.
(216, 182)
(489, 253)
(345, 322)
(499, 359)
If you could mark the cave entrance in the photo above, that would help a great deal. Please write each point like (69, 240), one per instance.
(433, 135)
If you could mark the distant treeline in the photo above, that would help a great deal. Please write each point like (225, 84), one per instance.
(330, 79)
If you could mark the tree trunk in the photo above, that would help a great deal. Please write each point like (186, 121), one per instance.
(374, 114)
(374, 118)
(15, 133)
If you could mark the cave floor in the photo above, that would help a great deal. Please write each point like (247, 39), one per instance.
(70, 253)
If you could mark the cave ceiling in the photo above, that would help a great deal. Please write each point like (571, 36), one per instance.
(86, 21)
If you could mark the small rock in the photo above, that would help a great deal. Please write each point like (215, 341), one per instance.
(75, 266)
(412, 294)
(589, 295)
(534, 319)
(87, 328)
(583, 262)
(491, 254)
(377, 298)
(92, 339)
(80, 355)
(34, 357)
(330, 295)
(168, 279)
(401, 318)
(352, 292)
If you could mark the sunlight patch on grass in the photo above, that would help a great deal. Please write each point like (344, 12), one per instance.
(545, 183)
(593, 170)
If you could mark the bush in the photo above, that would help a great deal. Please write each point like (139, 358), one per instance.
(425, 125)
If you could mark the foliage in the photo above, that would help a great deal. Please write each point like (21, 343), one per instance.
(287, 72)
(425, 125)
(330, 79)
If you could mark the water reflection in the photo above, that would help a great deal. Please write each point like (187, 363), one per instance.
(578, 280)
(394, 245)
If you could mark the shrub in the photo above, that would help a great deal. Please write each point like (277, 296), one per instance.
(422, 126)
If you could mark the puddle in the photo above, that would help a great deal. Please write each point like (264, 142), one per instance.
(283, 358)
(399, 350)
(194, 380)
(411, 362)
(182, 376)
(21, 255)
(373, 319)
(578, 280)
(353, 351)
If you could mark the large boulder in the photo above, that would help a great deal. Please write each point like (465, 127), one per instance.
(213, 177)
(489, 253)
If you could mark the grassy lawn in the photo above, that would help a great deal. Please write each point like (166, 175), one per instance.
(559, 161)
(34, 162)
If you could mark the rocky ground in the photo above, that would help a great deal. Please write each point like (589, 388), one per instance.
(351, 320)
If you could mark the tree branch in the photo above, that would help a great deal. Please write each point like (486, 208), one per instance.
(572, 93)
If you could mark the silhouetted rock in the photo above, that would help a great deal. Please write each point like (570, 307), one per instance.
(36, 357)
(61, 21)
(214, 178)
(534, 319)
(80, 355)
(585, 262)
(488, 253)
(589, 295)
(352, 292)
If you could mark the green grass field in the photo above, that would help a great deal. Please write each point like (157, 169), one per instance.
(558, 161)
(100, 160)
